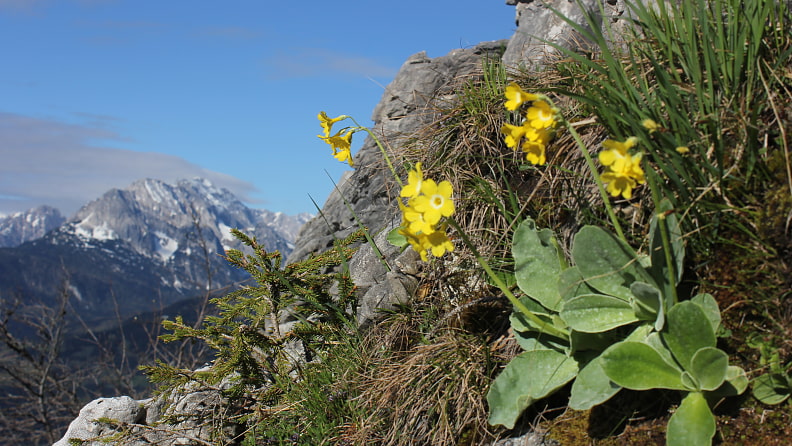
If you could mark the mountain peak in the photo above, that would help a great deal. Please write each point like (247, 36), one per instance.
(21, 227)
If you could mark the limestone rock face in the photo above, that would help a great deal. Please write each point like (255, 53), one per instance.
(539, 28)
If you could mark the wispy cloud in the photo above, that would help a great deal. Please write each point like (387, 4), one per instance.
(312, 62)
(51, 162)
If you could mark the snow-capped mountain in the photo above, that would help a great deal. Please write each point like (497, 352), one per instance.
(21, 227)
(145, 246)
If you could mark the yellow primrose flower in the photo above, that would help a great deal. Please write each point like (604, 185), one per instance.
(344, 155)
(540, 115)
(438, 242)
(619, 184)
(682, 150)
(413, 221)
(339, 142)
(327, 123)
(623, 180)
(435, 201)
(513, 134)
(621, 147)
(651, 125)
(516, 96)
(414, 182)
(535, 144)
(534, 152)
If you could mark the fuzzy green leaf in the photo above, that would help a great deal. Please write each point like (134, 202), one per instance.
(710, 307)
(637, 366)
(592, 386)
(607, 263)
(536, 264)
(593, 313)
(571, 284)
(649, 303)
(735, 384)
(709, 366)
(692, 423)
(527, 378)
(688, 331)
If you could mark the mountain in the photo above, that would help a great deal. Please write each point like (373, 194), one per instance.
(21, 227)
(140, 249)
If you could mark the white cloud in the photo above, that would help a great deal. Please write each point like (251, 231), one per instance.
(311, 62)
(50, 162)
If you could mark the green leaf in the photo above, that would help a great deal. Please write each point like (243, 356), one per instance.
(607, 263)
(735, 384)
(692, 423)
(592, 386)
(536, 264)
(771, 388)
(710, 307)
(638, 366)
(688, 331)
(539, 341)
(649, 301)
(593, 313)
(396, 238)
(596, 342)
(709, 366)
(527, 378)
(571, 284)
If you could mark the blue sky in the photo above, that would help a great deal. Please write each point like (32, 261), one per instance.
(95, 94)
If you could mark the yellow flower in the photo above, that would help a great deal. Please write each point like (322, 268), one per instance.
(341, 145)
(616, 153)
(344, 155)
(414, 182)
(516, 96)
(435, 201)
(650, 125)
(513, 134)
(413, 221)
(624, 175)
(327, 123)
(540, 115)
(439, 243)
(535, 144)
(534, 152)
(682, 150)
(436, 241)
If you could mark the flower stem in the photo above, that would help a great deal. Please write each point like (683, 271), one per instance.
(600, 185)
(541, 325)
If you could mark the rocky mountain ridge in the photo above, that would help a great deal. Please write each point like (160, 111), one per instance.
(21, 227)
(148, 245)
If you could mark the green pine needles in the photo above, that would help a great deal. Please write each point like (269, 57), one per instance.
(264, 334)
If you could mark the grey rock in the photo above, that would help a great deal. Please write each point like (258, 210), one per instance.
(538, 27)
(380, 287)
(529, 439)
(122, 410)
